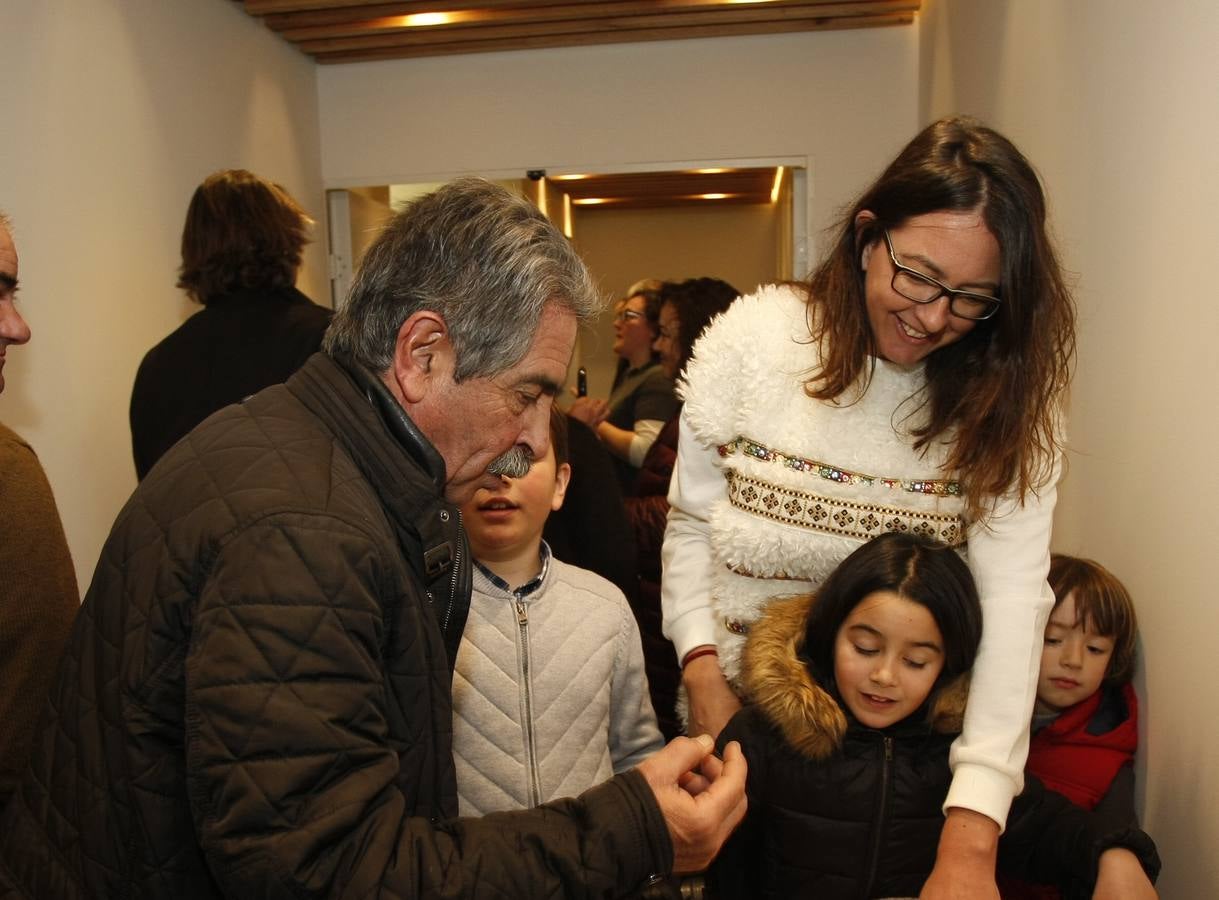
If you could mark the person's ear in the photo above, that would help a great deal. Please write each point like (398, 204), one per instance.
(423, 355)
(562, 478)
(863, 219)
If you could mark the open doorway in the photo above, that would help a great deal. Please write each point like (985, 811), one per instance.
(742, 221)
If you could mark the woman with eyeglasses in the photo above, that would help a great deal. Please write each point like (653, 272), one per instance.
(914, 384)
(642, 399)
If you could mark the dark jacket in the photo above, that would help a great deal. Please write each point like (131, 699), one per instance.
(590, 529)
(839, 810)
(232, 348)
(255, 701)
(648, 512)
(1087, 755)
(1081, 752)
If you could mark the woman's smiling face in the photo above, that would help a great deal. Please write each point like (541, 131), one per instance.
(955, 248)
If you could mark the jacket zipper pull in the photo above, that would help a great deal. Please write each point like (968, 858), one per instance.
(522, 617)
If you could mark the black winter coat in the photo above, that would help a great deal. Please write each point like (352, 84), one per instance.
(839, 811)
(255, 700)
(232, 348)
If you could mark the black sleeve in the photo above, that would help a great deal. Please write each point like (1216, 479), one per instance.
(1117, 806)
(1050, 840)
(733, 874)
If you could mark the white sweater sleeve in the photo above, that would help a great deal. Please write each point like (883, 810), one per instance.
(686, 556)
(1009, 555)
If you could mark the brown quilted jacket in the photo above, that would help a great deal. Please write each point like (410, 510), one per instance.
(255, 698)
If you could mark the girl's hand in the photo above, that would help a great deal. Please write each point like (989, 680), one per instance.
(589, 410)
(1121, 877)
(965, 863)
(712, 701)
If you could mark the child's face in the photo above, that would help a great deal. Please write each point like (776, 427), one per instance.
(1074, 660)
(507, 519)
(887, 656)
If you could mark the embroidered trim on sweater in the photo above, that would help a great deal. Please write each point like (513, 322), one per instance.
(832, 473)
(817, 513)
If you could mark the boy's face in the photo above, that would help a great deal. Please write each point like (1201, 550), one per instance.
(1074, 660)
(506, 520)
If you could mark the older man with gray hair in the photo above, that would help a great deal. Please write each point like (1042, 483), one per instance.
(256, 702)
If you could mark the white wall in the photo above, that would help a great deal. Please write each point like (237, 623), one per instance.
(1115, 101)
(113, 111)
(846, 100)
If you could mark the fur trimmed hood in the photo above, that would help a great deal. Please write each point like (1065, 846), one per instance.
(809, 718)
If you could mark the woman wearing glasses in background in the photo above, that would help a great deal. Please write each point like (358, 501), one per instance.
(914, 384)
(642, 398)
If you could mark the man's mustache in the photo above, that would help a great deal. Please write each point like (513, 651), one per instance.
(513, 464)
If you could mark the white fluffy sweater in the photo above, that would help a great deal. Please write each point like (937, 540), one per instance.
(773, 489)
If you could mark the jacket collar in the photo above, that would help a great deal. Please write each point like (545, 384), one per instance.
(809, 717)
(405, 471)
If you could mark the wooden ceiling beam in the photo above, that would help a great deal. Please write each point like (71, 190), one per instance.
(557, 19)
(608, 37)
(281, 7)
(533, 10)
(391, 35)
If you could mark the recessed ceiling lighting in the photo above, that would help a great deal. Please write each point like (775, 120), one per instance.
(592, 201)
(568, 177)
(713, 196)
(711, 171)
(416, 20)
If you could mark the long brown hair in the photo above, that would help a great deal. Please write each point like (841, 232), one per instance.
(1001, 386)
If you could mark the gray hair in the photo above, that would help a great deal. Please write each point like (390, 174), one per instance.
(484, 259)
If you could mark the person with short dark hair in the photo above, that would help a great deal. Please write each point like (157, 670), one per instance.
(257, 700)
(1086, 717)
(241, 251)
(38, 594)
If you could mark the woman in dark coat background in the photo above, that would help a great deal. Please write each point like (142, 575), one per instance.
(241, 250)
(686, 308)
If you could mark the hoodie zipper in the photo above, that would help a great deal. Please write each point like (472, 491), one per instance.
(531, 760)
(882, 814)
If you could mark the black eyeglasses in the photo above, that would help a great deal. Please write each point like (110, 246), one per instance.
(914, 285)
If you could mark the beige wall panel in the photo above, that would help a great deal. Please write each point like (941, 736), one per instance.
(114, 111)
(1114, 100)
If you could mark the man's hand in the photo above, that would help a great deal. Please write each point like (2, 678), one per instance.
(711, 701)
(701, 797)
(589, 410)
(965, 862)
(1121, 877)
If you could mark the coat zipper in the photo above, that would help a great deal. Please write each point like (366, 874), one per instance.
(531, 760)
(882, 815)
(448, 611)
